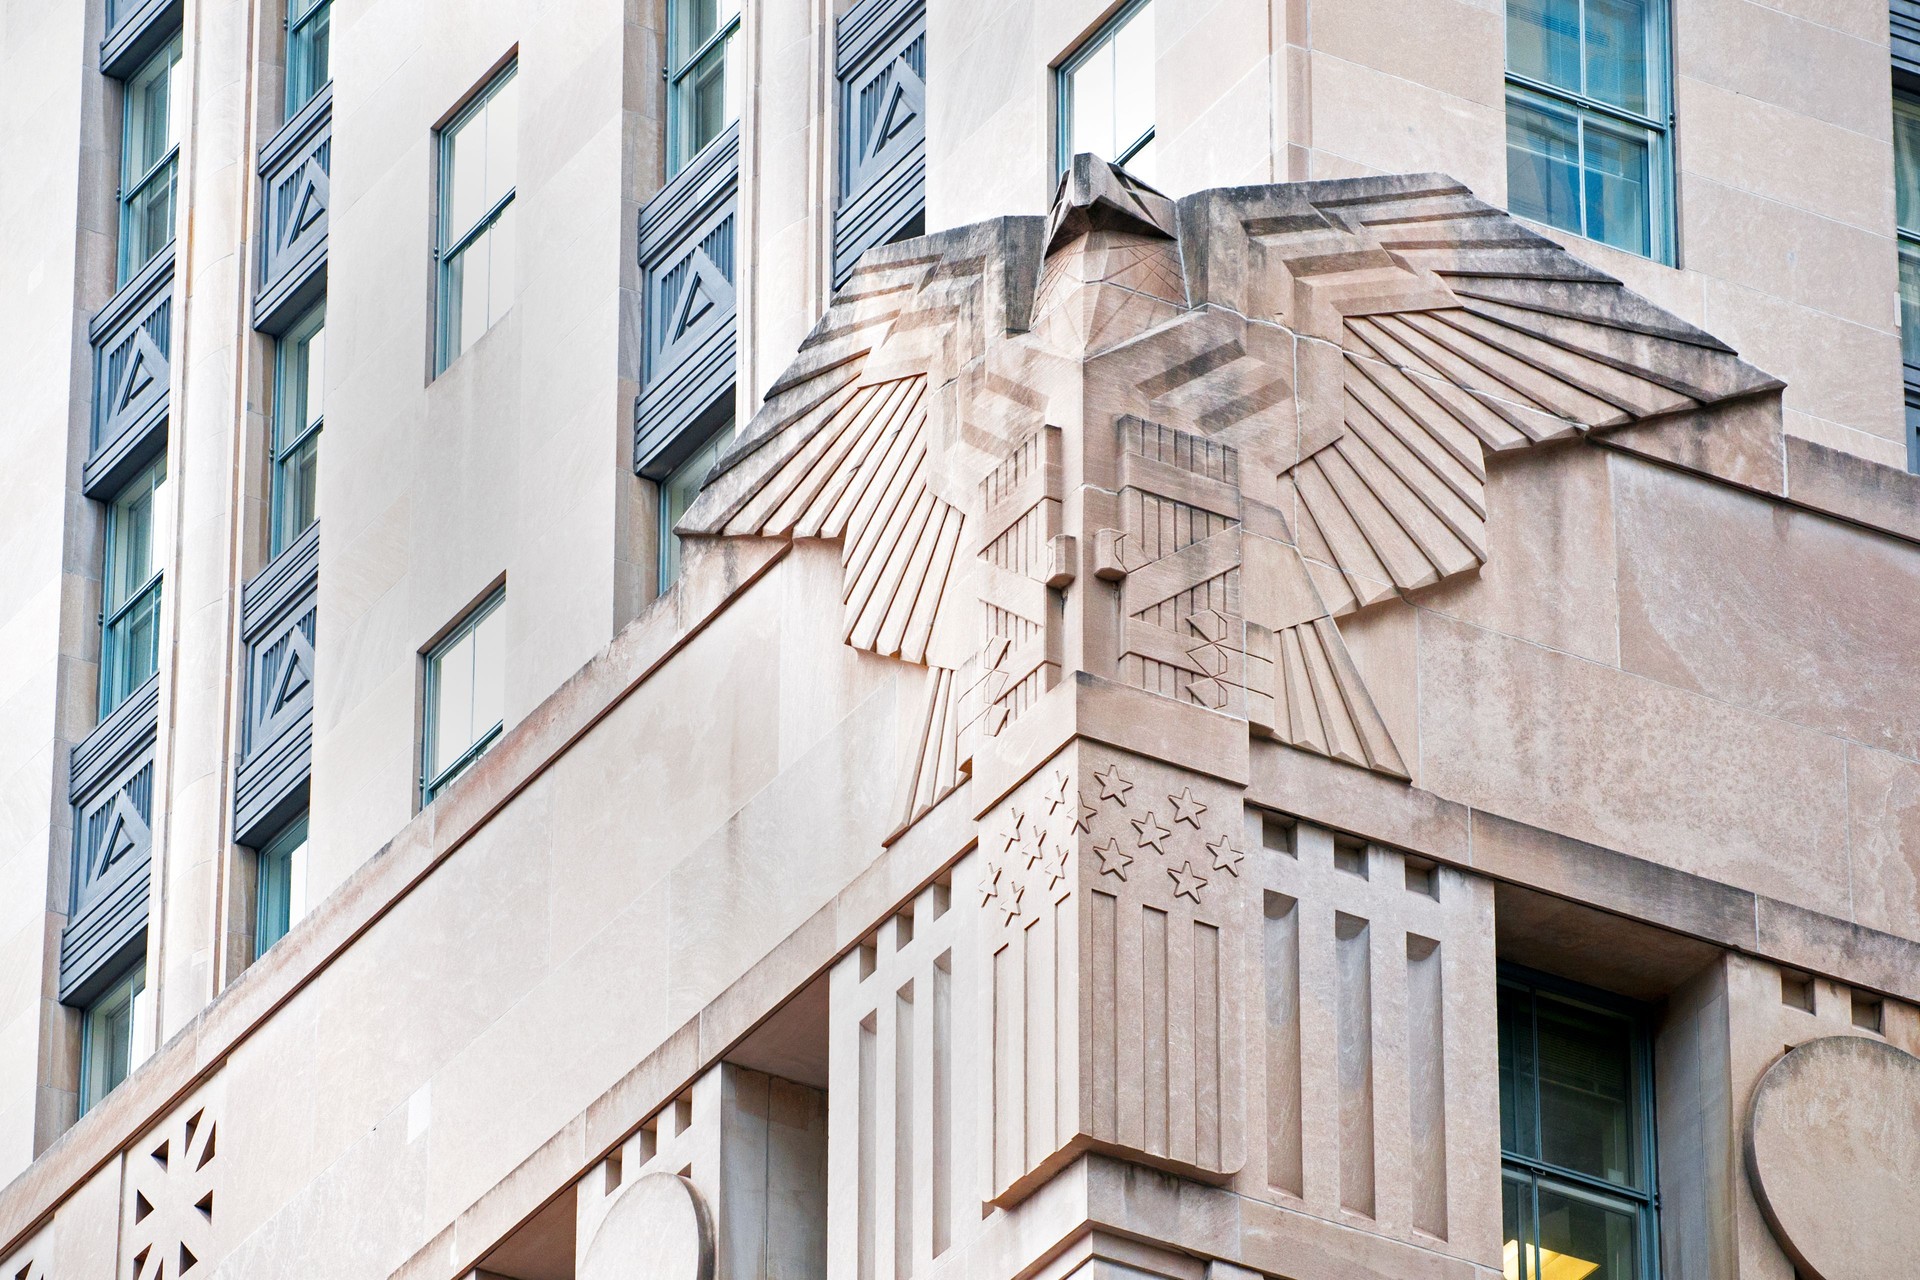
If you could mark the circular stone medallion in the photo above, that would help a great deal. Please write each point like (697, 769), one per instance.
(657, 1229)
(1833, 1147)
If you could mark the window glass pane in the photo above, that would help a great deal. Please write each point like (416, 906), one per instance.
(1543, 149)
(1517, 1073)
(489, 674)
(1543, 41)
(313, 377)
(1618, 202)
(707, 100)
(1133, 80)
(677, 493)
(466, 176)
(297, 493)
(281, 895)
(1910, 301)
(1516, 1233)
(1141, 163)
(112, 1025)
(503, 139)
(309, 38)
(1091, 91)
(1585, 1237)
(130, 550)
(147, 219)
(500, 252)
(453, 710)
(1906, 163)
(150, 114)
(1586, 1092)
(1617, 53)
(466, 295)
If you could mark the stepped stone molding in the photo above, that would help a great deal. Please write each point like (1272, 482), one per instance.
(881, 68)
(687, 237)
(1174, 443)
(111, 788)
(294, 196)
(278, 612)
(132, 339)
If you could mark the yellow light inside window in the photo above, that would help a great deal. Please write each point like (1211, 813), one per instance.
(1543, 1263)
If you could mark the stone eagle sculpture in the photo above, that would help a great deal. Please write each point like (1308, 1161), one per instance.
(1173, 442)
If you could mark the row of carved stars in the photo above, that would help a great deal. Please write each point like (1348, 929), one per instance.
(1114, 861)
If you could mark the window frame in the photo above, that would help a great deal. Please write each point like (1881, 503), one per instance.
(126, 989)
(679, 153)
(112, 614)
(300, 32)
(299, 340)
(132, 188)
(1083, 53)
(1536, 1170)
(433, 783)
(274, 889)
(1658, 124)
(447, 245)
(1906, 240)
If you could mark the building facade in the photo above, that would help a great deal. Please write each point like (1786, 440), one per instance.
(1194, 638)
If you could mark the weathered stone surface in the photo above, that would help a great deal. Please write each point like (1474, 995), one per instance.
(1833, 1147)
(659, 1228)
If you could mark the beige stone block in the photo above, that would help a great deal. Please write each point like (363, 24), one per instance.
(1754, 145)
(1543, 738)
(1549, 575)
(1881, 450)
(1391, 125)
(1455, 47)
(1787, 614)
(1758, 243)
(1766, 54)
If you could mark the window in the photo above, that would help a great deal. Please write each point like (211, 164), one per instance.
(149, 159)
(307, 50)
(281, 898)
(478, 154)
(1588, 120)
(1906, 187)
(677, 493)
(703, 78)
(114, 1025)
(466, 678)
(299, 376)
(1106, 94)
(130, 612)
(1576, 1134)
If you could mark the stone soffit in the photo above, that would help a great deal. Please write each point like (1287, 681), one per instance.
(1232, 419)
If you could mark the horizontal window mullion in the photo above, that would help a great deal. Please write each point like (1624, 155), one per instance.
(479, 228)
(465, 758)
(146, 179)
(293, 446)
(711, 43)
(1556, 95)
(1569, 1178)
(1133, 148)
(133, 601)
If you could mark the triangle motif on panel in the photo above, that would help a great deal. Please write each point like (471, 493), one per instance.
(904, 103)
(290, 692)
(125, 836)
(145, 366)
(311, 204)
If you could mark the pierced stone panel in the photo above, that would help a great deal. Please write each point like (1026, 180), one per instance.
(881, 74)
(294, 193)
(278, 614)
(132, 343)
(902, 1108)
(32, 1260)
(111, 789)
(168, 1225)
(687, 236)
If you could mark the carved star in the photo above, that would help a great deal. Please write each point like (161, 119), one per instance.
(1187, 809)
(1056, 868)
(1014, 835)
(1152, 834)
(1186, 881)
(1085, 821)
(1114, 861)
(1226, 855)
(1057, 798)
(1036, 846)
(1010, 902)
(1112, 785)
(990, 884)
